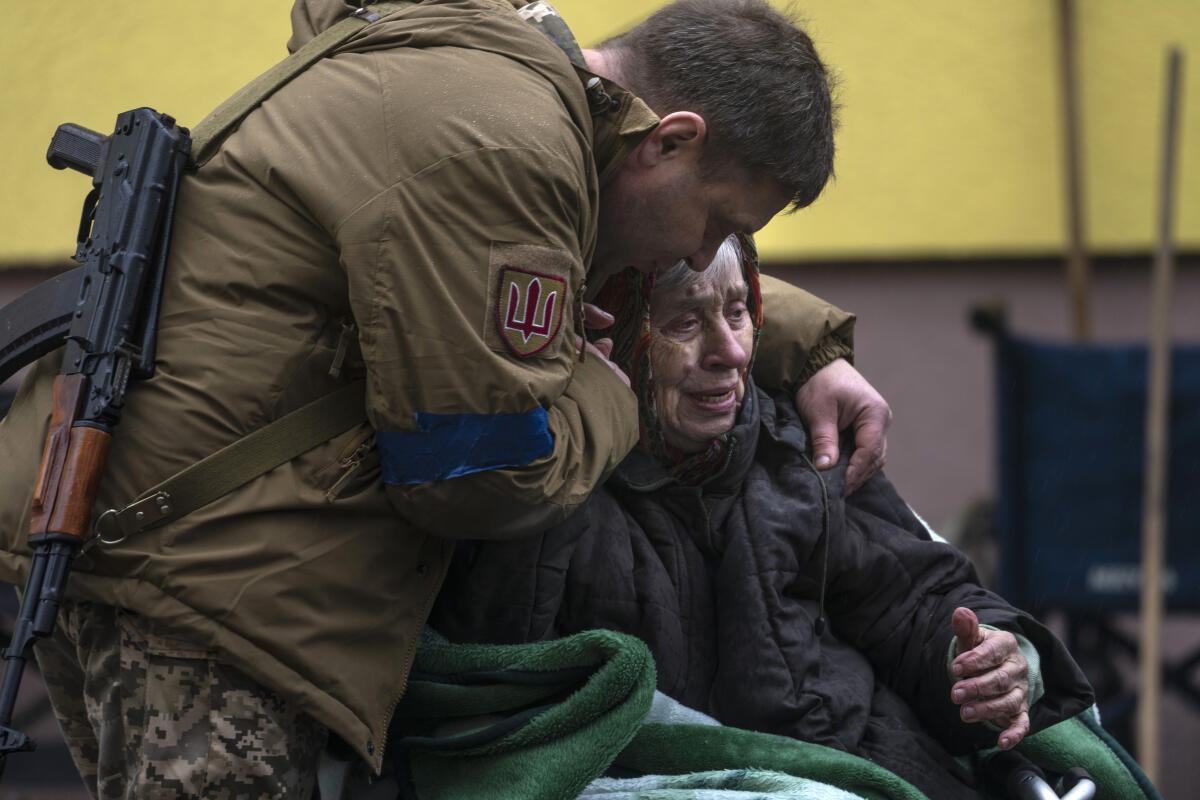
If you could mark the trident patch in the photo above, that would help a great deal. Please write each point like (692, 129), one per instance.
(529, 309)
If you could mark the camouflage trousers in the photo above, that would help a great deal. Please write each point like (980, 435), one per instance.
(152, 718)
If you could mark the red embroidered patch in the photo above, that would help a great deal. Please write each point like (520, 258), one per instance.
(529, 309)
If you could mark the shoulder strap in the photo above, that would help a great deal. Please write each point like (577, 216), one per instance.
(237, 464)
(545, 17)
(306, 427)
(208, 135)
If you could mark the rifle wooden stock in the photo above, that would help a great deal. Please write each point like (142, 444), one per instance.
(72, 464)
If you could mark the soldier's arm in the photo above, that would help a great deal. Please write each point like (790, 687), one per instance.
(464, 284)
(801, 334)
(807, 347)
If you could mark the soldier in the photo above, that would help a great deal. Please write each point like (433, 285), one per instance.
(426, 209)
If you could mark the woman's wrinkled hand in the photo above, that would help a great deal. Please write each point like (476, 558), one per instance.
(993, 683)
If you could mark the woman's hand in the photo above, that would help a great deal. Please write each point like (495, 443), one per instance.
(595, 318)
(994, 678)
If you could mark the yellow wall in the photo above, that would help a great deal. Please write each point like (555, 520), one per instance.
(949, 141)
(85, 62)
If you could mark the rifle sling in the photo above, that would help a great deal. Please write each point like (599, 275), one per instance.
(208, 135)
(236, 464)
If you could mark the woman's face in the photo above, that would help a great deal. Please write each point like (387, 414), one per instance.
(701, 337)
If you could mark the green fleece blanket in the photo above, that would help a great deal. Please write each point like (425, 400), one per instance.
(523, 722)
(1081, 742)
(579, 717)
(682, 750)
(737, 784)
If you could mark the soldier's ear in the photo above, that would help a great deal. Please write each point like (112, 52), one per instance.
(679, 135)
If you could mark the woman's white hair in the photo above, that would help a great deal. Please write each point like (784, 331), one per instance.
(728, 259)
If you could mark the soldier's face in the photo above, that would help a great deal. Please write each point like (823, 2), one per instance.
(666, 205)
(683, 215)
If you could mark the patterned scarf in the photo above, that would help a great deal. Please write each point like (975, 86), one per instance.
(627, 297)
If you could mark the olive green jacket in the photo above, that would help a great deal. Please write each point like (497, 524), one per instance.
(397, 198)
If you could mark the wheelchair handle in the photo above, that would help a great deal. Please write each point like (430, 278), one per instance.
(1077, 784)
(1023, 780)
(1024, 784)
(1029, 783)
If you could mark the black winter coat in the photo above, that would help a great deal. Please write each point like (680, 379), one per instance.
(724, 583)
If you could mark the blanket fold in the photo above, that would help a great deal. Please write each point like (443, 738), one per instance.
(579, 717)
(519, 722)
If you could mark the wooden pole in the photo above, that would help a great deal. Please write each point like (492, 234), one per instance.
(1078, 270)
(1157, 406)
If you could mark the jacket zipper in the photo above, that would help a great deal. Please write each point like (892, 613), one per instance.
(579, 319)
(350, 466)
(391, 712)
(410, 657)
(349, 329)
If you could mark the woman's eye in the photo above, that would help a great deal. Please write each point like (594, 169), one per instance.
(737, 313)
(685, 326)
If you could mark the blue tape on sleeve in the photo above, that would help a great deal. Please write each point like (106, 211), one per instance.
(451, 445)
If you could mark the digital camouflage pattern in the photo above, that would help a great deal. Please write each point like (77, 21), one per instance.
(154, 718)
(546, 18)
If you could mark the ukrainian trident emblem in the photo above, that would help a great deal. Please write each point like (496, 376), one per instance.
(530, 309)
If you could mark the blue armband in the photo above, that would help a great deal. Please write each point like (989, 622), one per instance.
(448, 446)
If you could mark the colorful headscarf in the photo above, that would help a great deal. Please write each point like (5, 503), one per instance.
(627, 297)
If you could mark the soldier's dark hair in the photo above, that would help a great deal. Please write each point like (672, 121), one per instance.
(753, 75)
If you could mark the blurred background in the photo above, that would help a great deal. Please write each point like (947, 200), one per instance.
(963, 182)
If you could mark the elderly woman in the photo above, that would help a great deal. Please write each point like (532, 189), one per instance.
(768, 600)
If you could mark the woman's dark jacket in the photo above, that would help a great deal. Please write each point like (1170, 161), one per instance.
(723, 582)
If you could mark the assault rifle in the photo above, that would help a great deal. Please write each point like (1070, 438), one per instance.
(106, 312)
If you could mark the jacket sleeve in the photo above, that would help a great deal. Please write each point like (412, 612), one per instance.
(801, 334)
(464, 279)
(891, 594)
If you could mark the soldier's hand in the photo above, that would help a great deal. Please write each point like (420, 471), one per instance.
(994, 678)
(838, 397)
(595, 318)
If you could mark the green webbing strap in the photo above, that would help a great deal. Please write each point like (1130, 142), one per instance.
(208, 135)
(237, 464)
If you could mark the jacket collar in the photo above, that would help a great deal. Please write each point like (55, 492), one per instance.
(641, 472)
(617, 129)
